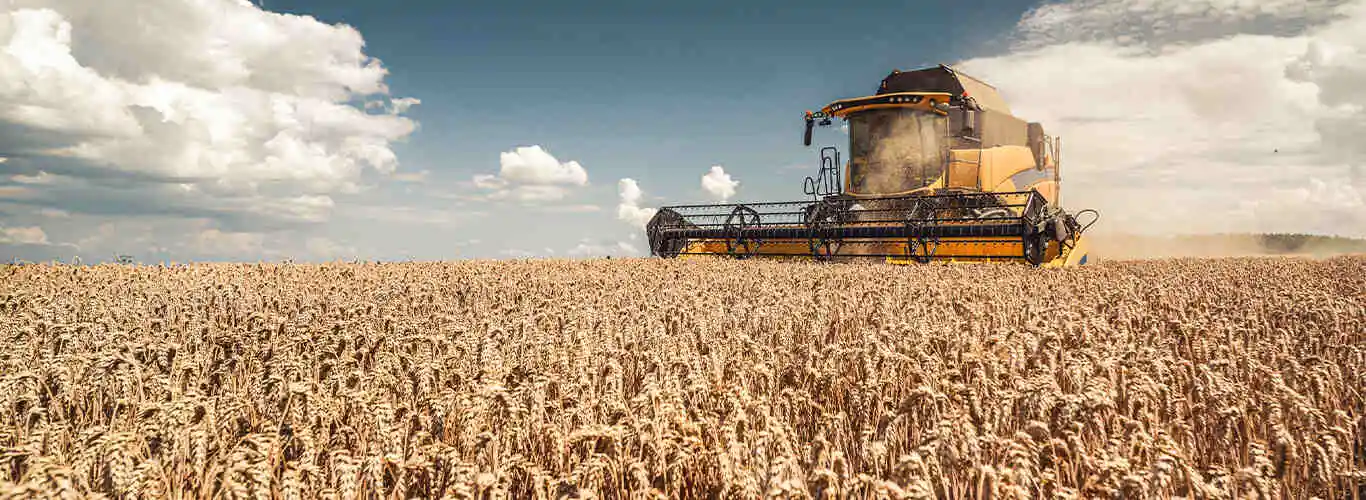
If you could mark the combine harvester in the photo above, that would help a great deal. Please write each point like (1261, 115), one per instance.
(939, 170)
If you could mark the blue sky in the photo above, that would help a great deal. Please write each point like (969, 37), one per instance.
(628, 87)
(225, 130)
(655, 93)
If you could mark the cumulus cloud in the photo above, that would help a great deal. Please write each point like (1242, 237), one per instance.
(531, 174)
(629, 209)
(533, 165)
(1203, 116)
(218, 97)
(718, 184)
(23, 235)
(401, 105)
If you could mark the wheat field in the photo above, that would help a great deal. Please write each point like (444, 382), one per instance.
(647, 378)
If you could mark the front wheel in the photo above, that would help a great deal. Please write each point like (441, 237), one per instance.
(1034, 246)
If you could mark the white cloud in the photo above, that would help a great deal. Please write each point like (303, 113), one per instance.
(33, 235)
(218, 95)
(393, 106)
(531, 174)
(489, 182)
(533, 165)
(525, 193)
(402, 105)
(629, 209)
(1189, 119)
(1162, 22)
(301, 208)
(40, 178)
(719, 184)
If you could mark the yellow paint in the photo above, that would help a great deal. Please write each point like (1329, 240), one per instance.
(998, 164)
(949, 248)
(1073, 257)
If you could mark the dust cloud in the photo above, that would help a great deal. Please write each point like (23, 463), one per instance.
(1150, 246)
(907, 150)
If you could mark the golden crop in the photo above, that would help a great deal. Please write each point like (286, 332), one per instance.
(646, 378)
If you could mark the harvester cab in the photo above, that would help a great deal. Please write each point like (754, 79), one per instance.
(938, 170)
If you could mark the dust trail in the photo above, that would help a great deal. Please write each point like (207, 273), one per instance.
(1147, 246)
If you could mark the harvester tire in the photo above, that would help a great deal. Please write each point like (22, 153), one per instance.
(1034, 246)
(818, 216)
(740, 220)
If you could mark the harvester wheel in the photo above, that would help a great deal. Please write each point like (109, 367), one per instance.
(920, 247)
(1034, 246)
(819, 216)
(741, 221)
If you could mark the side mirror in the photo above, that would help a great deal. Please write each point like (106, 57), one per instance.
(806, 138)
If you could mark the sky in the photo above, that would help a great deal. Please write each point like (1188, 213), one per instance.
(312, 130)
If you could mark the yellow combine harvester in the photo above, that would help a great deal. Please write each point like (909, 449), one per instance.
(939, 170)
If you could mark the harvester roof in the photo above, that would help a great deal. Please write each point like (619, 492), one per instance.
(944, 79)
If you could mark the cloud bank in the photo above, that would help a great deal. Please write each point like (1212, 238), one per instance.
(217, 98)
(189, 110)
(1199, 116)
